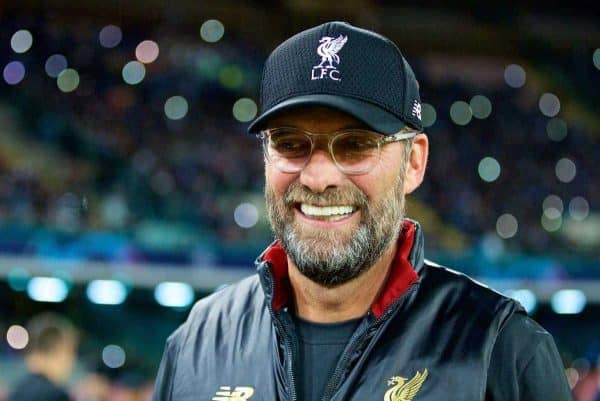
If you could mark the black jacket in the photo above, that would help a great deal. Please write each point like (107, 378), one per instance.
(429, 336)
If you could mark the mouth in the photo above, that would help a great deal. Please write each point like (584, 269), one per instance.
(326, 213)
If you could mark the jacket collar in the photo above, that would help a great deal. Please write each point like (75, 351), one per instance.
(273, 271)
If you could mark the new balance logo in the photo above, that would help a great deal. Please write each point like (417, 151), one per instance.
(416, 110)
(239, 393)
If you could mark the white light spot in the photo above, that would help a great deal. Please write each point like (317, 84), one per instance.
(579, 208)
(68, 80)
(549, 104)
(551, 220)
(175, 295)
(113, 356)
(244, 110)
(212, 30)
(525, 297)
(481, 107)
(176, 107)
(489, 169)
(246, 215)
(147, 51)
(106, 292)
(514, 76)
(565, 170)
(110, 36)
(556, 129)
(507, 226)
(568, 302)
(429, 115)
(134, 72)
(21, 41)
(17, 337)
(460, 113)
(47, 289)
(572, 377)
(553, 202)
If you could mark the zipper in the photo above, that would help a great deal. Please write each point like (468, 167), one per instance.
(336, 379)
(287, 342)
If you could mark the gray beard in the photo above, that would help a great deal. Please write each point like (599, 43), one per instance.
(325, 256)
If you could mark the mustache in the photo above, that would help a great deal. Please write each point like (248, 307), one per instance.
(298, 193)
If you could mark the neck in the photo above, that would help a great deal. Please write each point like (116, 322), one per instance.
(350, 300)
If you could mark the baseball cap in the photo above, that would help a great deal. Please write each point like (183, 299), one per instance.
(351, 69)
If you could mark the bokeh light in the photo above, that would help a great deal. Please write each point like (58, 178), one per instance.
(246, 215)
(565, 170)
(106, 292)
(551, 220)
(68, 80)
(113, 356)
(176, 107)
(47, 289)
(212, 30)
(17, 337)
(549, 104)
(568, 301)
(55, 64)
(596, 58)
(21, 41)
(579, 208)
(556, 128)
(428, 114)
(481, 107)
(514, 76)
(244, 110)
(174, 295)
(231, 76)
(110, 36)
(14, 72)
(553, 206)
(507, 226)
(489, 169)
(134, 72)
(460, 113)
(147, 51)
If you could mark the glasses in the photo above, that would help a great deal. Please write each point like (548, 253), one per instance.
(354, 151)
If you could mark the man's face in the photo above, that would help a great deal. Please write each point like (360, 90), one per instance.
(331, 246)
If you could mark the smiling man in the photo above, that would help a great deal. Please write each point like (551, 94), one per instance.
(344, 305)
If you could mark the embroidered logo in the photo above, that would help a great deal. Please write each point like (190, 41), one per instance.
(403, 390)
(328, 50)
(239, 393)
(416, 110)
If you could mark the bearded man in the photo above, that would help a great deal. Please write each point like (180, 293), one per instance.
(344, 306)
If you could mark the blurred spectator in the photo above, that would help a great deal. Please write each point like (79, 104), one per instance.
(50, 359)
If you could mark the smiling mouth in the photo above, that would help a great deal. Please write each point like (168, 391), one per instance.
(326, 213)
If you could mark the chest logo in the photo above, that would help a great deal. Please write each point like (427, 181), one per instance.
(239, 393)
(328, 50)
(403, 390)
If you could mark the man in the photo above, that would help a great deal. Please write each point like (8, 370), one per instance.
(344, 306)
(50, 359)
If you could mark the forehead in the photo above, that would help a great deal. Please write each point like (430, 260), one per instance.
(315, 118)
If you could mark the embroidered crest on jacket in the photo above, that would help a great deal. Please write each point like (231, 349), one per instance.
(403, 390)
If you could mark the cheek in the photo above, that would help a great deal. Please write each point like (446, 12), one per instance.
(278, 181)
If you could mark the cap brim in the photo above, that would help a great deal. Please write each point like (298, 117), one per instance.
(373, 116)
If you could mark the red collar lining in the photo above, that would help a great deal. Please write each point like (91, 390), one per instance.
(401, 277)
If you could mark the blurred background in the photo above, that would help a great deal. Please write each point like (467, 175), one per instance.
(129, 189)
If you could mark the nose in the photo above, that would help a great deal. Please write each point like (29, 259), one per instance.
(321, 172)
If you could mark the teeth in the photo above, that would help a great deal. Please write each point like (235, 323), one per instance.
(312, 210)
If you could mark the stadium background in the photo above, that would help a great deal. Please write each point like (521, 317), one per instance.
(129, 189)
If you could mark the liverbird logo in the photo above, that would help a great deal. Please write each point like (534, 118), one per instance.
(403, 390)
(328, 50)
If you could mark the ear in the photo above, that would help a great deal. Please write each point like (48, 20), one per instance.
(417, 161)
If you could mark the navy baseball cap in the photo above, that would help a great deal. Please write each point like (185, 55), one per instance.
(338, 65)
